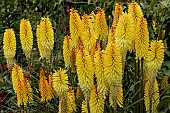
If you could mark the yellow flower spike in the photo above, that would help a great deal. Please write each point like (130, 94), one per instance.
(85, 71)
(67, 50)
(84, 108)
(76, 27)
(9, 46)
(73, 60)
(50, 82)
(63, 103)
(92, 19)
(71, 106)
(164, 81)
(124, 33)
(19, 91)
(101, 27)
(46, 94)
(46, 33)
(113, 73)
(99, 72)
(60, 81)
(16, 74)
(89, 36)
(26, 37)
(113, 64)
(96, 102)
(116, 95)
(111, 37)
(117, 14)
(95, 47)
(141, 38)
(22, 89)
(155, 56)
(79, 45)
(46, 36)
(27, 92)
(135, 11)
(151, 95)
(40, 48)
(67, 102)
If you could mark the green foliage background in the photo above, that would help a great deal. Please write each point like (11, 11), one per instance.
(12, 11)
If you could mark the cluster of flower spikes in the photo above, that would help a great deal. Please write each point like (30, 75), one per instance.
(113, 71)
(89, 35)
(128, 32)
(69, 53)
(46, 87)
(99, 72)
(120, 40)
(153, 56)
(9, 41)
(153, 62)
(66, 94)
(124, 33)
(96, 101)
(85, 71)
(91, 61)
(67, 102)
(85, 46)
(135, 11)
(21, 86)
(45, 40)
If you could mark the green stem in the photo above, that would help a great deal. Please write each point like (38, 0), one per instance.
(122, 109)
(54, 106)
(27, 107)
(123, 63)
(138, 86)
(22, 108)
(102, 45)
(33, 84)
(88, 106)
(123, 75)
(142, 87)
(135, 80)
(107, 107)
(51, 62)
(134, 103)
(114, 111)
(151, 85)
(46, 108)
(150, 106)
(71, 77)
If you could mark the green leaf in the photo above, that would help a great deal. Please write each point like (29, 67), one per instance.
(167, 72)
(59, 2)
(167, 63)
(165, 98)
(153, 3)
(89, 1)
